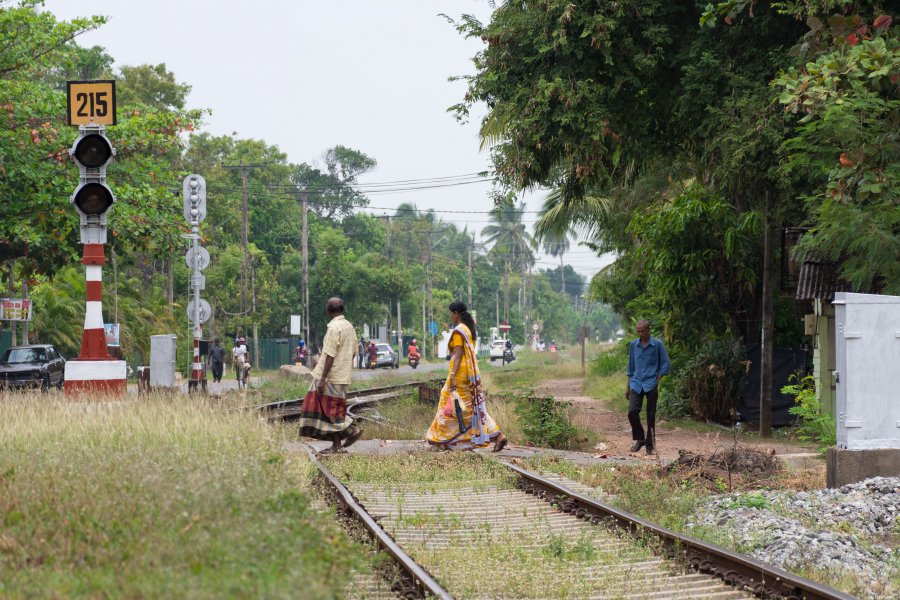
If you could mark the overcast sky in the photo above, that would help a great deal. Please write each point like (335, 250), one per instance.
(306, 76)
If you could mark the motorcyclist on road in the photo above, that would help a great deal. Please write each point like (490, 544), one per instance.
(413, 350)
(301, 353)
(373, 353)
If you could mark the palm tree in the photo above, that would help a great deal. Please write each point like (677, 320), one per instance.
(510, 244)
(557, 245)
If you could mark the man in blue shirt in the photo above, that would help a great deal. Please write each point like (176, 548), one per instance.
(648, 362)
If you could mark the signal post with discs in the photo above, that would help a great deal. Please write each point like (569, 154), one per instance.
(197, 258)
(92, 106)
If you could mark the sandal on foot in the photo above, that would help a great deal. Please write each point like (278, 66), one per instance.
(353, 438)
(332, 450)
(501, 443)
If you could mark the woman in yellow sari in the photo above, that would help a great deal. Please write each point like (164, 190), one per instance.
(462, 421)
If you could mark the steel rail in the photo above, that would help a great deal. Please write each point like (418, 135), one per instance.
(296, 403)
(732, 567)
(422, 582)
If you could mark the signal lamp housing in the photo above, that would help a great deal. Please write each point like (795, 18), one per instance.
(92, 151)
(93, 198)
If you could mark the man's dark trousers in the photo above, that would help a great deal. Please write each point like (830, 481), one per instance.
(217, 371)
(634, 415)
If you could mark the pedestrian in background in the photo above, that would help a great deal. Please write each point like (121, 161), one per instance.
(361, 351)
(648, 362)
(217, 360)
(325, 405)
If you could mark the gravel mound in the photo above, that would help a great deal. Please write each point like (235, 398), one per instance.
(832, 530)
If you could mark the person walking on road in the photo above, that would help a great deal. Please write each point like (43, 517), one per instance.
(240, 358)
(361, 352)
(324, 415)
(648, 362)
(462, 421)
(217, 360)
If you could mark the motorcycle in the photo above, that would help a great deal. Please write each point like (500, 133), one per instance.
(508, 356)
(414, 361)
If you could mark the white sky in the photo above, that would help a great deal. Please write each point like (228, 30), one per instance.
(308, 75)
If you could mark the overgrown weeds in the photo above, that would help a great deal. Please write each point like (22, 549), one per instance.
(812, 425)
(425, 468)
(160, 497)
(547, 422)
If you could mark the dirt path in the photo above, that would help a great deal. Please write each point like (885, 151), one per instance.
(616, 432)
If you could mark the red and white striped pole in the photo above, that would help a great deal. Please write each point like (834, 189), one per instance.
(94, 370)
(93, 341)
(196, 367)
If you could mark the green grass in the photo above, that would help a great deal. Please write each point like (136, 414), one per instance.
(160, 497)
(529, 370)
(425, 469)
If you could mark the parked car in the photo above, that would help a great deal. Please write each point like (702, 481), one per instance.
(387, 356)
(38, 365)
(497, 348)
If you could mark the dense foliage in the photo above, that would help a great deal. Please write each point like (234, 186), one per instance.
(674, 134)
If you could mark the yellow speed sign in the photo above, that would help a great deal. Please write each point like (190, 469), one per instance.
(91, 102)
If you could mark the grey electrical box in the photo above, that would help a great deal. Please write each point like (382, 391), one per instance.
(162, 360)
(867, 341)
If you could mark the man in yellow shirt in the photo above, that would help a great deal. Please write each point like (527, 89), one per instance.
(324, 414)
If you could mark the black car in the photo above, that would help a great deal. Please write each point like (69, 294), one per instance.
(39, 365)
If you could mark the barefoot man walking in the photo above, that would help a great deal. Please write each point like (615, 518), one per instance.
(324, 414)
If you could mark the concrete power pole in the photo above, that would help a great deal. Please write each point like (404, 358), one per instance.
(469, 295)
(424, 325)
(768, 327)
(387, 237)
(245, 224)
(245, 230)
(304, 195)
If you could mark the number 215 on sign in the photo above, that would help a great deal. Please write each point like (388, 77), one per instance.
(91, 102)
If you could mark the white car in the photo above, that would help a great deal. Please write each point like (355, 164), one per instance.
(497, 348)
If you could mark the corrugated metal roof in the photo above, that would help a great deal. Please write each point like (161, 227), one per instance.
(820, 280)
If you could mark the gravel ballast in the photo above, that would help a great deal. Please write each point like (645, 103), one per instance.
(841, 531)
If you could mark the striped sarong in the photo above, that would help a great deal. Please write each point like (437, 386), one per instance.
(325, 415)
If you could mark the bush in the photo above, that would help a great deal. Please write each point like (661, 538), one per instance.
(612, 361)
(546, 422)
(812, 424)
(671, 404)
(710, 381)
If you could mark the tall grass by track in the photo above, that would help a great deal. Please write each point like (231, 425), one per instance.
(157, 497)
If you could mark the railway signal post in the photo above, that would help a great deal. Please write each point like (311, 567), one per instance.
(197, 258)
(91, 107)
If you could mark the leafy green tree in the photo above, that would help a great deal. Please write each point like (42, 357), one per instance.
(846, 144)
(565, 279)
(151, 85)
(332, 191)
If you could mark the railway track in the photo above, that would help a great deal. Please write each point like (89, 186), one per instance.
(545, 537)
(520, 534)
(289, 410)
